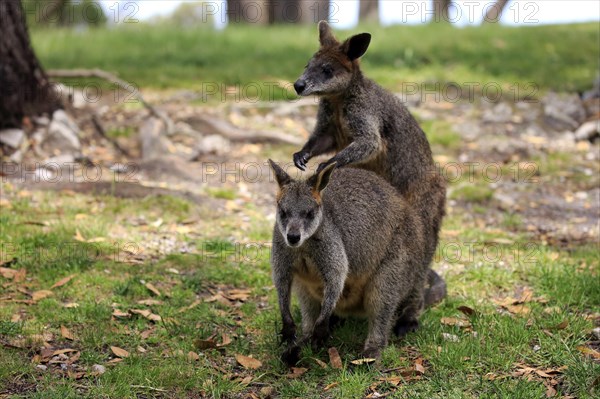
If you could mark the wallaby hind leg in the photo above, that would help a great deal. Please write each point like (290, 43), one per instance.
(408, 313)
(381, 300)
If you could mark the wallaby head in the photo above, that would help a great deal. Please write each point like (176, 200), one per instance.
(330, 70)
(299, 206)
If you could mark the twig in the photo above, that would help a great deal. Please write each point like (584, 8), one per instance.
(149, 388)
(99, 73)
(102, 132)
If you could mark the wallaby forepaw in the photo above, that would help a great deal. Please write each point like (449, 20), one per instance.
(291, 355)
(404, 327)
(300, 159)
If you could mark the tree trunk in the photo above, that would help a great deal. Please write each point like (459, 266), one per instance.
(369, 11)
(493, 13)
(298, 11)
(248, 11)
(441, 10)
(26, 89)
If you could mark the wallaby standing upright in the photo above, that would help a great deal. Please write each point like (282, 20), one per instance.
(370, 128)
(356, 249)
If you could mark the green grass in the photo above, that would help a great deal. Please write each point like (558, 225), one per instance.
(564, 286)
(259, 61)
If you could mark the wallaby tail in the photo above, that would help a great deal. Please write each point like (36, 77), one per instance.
(436, 290)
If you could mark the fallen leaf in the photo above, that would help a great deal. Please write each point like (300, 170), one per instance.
(203, 344)
(152, 288)
(149, 302)
(562, 325)
(296, 372)
(191, 306)
(78, 236)
(7, 273)
(518, 309)
(247, 380)
(146, 333)
(334, 358)
(146, 313)
(61, 351)
(395, 380)
(238, 294)
(466, 310)
(366, 360)
(71, 305)
(419, 368)
(74, 358)
(225, 340)
(453, 321)
(64, 331)
(248, 362)
(320, 363)
(20, 275)
(589, 351)
(120, 313)
(63, 281)
(550, 391)
(39, 295)
(330, 386)
(193, 356)
(119, 351)
(141, 349)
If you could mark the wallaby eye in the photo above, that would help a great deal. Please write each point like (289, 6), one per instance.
(310, 214)
(282, 214)
(327, 70)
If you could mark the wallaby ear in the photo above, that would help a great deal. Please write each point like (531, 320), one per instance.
(280, 175)
(357, 45)
(322, 179)
(326, 37)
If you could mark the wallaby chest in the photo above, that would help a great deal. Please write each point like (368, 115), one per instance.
(308, 276)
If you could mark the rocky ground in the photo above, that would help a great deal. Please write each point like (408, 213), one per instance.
(535, 162)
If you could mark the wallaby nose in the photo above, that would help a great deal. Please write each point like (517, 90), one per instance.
(299, 86)
(293, 238)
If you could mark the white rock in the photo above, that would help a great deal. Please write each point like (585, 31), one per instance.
(588, 130)
(450, 337)
(98, 369)
(12, 137)
(62, 135)
(213, 144)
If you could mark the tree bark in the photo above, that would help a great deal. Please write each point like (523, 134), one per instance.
(298, 11)
(248, 11)
(493, 13)
(369, 11)
(26, 90)
(441, 10)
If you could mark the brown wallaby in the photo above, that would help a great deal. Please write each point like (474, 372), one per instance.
(348, 244)
(369, 127)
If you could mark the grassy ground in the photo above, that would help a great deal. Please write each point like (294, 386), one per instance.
(89, 274)
(561, 57)
(532, 309)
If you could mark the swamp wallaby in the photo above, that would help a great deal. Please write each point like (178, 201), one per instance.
(369, 127)
(348, 244)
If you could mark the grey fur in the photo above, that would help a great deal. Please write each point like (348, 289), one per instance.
(361, 252)
(369, 127)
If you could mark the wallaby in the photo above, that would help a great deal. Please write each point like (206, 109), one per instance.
(369, 127)
(348, 244)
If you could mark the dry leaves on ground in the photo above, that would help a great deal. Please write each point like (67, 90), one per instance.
(248, 362)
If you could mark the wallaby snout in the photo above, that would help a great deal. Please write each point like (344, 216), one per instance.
(299, 86)
(293, 238)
